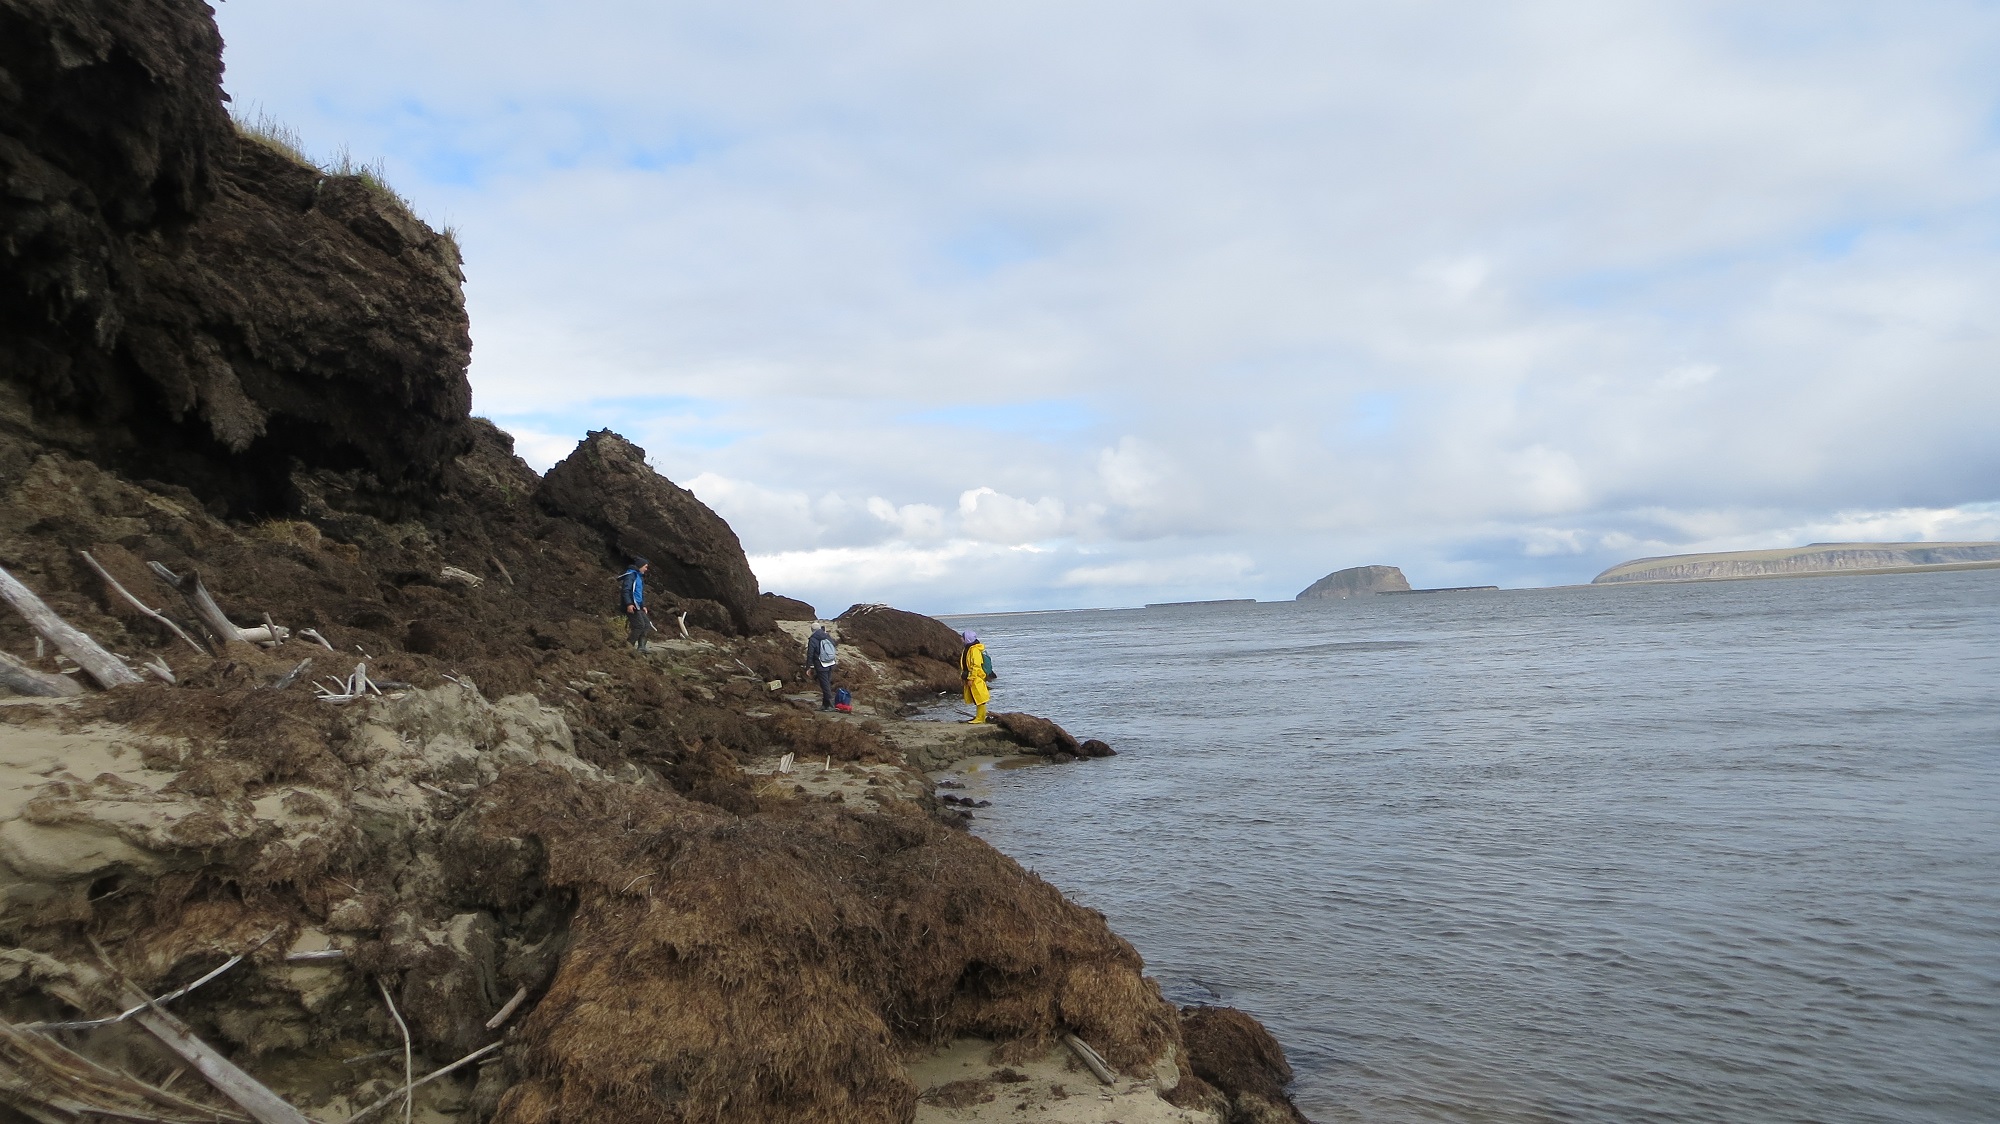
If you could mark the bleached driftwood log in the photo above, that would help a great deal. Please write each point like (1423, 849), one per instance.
(1090, 1058)
(214, 621)
(221, 630)
(107, 669)
(121, 591)
(247, 1092)
(452, 575)
(24, 680)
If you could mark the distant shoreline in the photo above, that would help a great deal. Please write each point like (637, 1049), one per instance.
(1929, 568)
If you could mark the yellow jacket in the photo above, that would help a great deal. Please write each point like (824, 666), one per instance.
(972, 669)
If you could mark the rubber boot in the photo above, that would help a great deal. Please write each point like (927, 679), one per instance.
(980, 716)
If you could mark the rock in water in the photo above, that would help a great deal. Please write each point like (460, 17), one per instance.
(1039, 735)
(606, 485)
(1355, 581)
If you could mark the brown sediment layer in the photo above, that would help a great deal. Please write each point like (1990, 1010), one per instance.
(225, 361)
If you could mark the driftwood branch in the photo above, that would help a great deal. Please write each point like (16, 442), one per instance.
(121, 591)
(158, 667)
(101, 665)
(1090, 1059)
(47, 1081)
(502, 567)
(247, 1092)
(313, 635)
(504, 1013)
(426, 1079)
(315, 956)
(221, 630)
(292, 676)
(409, 1068)
(24, 680)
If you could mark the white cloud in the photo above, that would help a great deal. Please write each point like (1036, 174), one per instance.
(996, 517)
(1497, 290)
(1171, 573)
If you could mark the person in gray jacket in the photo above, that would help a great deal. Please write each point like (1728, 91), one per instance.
(820, 657)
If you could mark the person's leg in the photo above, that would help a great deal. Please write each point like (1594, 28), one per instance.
(825, 675)
(980, 716)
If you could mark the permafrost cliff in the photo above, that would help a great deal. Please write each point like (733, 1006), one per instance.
(578, 871)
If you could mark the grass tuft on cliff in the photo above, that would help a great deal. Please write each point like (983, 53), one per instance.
(258, 125)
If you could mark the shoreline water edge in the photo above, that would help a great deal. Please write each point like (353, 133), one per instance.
(329, 785)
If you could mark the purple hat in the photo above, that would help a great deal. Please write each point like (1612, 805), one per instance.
(969, 637)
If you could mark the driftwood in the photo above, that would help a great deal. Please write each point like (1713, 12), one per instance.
(247, 1092)
(315, 956)
(45, 1080)
(292, 676)
(502, 567)
(313, 635)
(455, 576)
(121, 591)
(409, 1068)
(221, 630)
(505, 1012)
(101, 665)
(160, 670)
(24, 680)
(426, 1079)
(357, 686)
(1090, 1058)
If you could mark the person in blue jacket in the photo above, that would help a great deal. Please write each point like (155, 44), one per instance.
(632, 594)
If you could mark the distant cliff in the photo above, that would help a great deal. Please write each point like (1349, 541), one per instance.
(1356, 581)
(1819, 558)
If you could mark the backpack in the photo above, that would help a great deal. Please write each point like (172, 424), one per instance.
(624, 589)
(842, 701)
(825, 653)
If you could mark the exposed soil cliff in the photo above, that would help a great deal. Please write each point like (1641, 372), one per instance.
(185, 304)
(239, 367)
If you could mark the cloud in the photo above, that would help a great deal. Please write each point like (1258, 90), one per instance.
(1490, 291)
(996, 517)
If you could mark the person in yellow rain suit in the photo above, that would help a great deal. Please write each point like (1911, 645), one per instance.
(975, 667)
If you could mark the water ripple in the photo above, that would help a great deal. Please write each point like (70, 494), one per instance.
(1700, 853)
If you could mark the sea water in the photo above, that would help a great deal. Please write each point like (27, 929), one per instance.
(1705, 852)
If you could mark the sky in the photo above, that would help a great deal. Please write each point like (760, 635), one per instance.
(973, 307)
